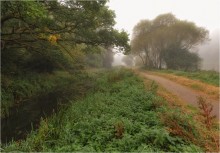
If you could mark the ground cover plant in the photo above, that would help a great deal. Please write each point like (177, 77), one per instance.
(119, 115)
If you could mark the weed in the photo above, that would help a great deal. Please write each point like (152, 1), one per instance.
(206, 109)
(119, 130)
(179, 124)
(189, 127)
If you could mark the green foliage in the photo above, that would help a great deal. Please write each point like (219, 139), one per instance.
(119, 116)
(43, 35)
(167, 41)
(94, 60)
(210, 77)
(181, 59)
(31, 12)
(16, 90)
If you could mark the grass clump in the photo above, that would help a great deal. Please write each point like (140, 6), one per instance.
(119, 115)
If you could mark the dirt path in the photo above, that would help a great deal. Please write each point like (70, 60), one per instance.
(186, 94)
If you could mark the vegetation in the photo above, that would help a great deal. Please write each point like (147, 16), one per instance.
(206, 111)
(210, 77)
(50, 54)
(113, 119)
(17, 90)
(167, 42)
(45, 47)
(41, 37)
(27, 99)
(44, 36)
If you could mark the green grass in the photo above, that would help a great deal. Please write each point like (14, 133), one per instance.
(210, 77)
(119, 115)
(16, 90)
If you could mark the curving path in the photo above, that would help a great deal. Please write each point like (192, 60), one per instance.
(186, 94)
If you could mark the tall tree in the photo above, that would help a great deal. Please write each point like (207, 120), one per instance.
(157, 41)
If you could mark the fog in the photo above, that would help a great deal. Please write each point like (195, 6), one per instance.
(118, 59)
(204, 13)
(209, 52)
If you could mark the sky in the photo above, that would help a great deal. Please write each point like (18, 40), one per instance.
(205, 13)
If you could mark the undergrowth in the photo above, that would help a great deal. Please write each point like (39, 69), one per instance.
(17, 90)
(119, 115)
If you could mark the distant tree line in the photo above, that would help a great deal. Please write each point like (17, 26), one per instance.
(167, 42)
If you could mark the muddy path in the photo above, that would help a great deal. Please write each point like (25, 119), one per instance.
(186, 94)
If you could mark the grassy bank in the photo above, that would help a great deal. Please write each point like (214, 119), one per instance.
(119, 115)
(15, 91)
(210, 77)
(28, 98)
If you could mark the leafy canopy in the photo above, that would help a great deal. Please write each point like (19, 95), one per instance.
(45, 26)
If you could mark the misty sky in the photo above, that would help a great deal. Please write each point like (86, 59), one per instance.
(205, 13)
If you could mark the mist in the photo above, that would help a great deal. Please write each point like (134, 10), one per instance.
(209, 52)
(118, 59)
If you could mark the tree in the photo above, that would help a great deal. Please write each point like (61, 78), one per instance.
(177, 58)
(157, 41)
(140, 43)
(37, 27)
